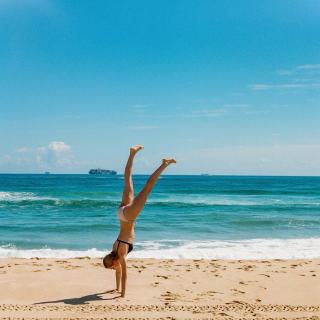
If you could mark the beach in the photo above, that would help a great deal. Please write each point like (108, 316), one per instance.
(175, 141)
(80, 288)
(206, 247)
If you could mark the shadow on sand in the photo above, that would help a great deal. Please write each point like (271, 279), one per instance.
(84, 299)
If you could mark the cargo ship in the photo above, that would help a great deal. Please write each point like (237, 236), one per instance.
(102, 172)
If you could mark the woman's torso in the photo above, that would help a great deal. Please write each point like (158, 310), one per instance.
(126, 231)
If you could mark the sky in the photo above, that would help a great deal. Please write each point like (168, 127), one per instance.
(225, 87)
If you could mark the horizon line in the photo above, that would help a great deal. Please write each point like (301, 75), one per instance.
(167, 174)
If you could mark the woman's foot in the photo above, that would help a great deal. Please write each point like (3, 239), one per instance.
(135, 149)
(168, 161)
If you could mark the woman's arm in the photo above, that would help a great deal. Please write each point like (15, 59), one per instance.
(123, 264)
(118, 277)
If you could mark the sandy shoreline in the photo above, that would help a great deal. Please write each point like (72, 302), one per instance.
(180, 289)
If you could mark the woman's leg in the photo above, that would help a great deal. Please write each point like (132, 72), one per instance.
(128, 194)
(133, 210)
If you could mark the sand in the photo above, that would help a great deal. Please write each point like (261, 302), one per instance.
(167, 289)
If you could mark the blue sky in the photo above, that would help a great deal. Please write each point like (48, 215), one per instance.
(226, 87)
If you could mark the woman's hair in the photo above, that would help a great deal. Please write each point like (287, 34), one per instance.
(109, 258)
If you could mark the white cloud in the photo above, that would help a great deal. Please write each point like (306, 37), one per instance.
(306, 76)
(22, 150)
(304, 68)
(57, 155)
(309, 67)
(262, 86)
(285, 72)
(207, 113)
(141, 108)
(59, 146)
(234, 109)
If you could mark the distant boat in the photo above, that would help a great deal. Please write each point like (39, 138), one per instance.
(102, 172)
(205, 174)
(47, 172)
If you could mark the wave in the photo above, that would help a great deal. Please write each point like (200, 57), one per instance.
(21, 196)
(236, 202)
(12, 252)
(185, 249)
(264, 223)
(28, 198)
(234, 249)
(246, 192)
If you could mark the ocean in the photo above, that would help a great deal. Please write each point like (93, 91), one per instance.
(186, 216)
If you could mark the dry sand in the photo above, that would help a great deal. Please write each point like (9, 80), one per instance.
(167, 289)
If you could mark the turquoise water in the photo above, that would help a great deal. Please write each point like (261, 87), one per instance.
(186, 216)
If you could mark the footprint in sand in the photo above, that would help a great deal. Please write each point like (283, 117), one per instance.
(207, 293)
(164, 277)
(36, 264)
(169, 296)
(70, 267)
(237, 291)
(61, 261)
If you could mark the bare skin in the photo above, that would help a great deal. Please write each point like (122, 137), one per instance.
(132, 208)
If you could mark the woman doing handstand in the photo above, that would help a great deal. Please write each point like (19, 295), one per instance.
(128, 211)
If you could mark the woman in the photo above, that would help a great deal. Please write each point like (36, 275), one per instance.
(128, 211)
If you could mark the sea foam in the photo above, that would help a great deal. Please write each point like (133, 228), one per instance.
(181, 249)
(173, 201)
(21, 196)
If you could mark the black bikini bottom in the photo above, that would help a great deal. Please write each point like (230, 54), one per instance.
(128, 243)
